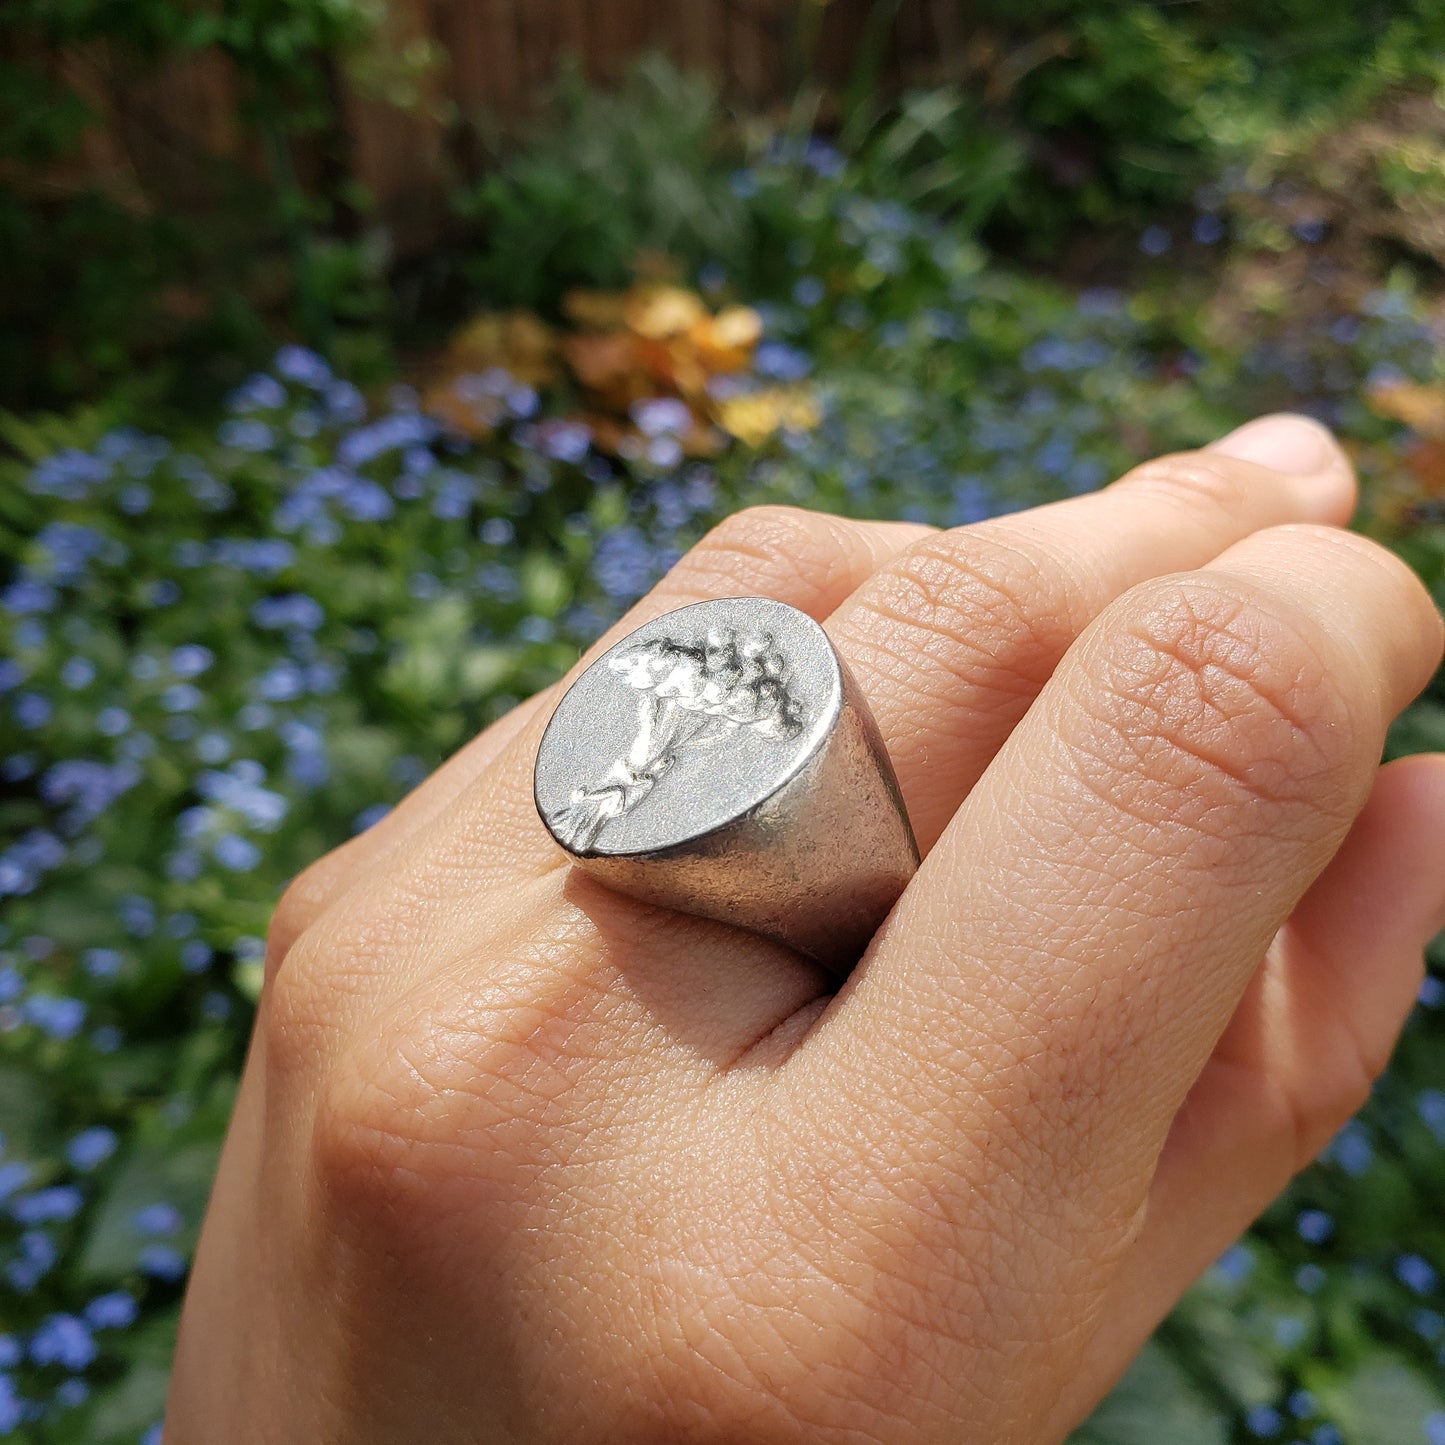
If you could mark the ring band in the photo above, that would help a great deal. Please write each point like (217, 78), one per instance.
(721, 760)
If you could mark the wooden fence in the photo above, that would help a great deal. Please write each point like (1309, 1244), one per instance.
(161, 130)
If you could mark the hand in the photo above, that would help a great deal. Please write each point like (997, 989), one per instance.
(519, 1159)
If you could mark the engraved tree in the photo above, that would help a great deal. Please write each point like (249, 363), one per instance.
(694, 695)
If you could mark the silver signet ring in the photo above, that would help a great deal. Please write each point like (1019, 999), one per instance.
(721, 760)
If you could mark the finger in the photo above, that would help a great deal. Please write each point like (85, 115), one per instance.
(808, 559)
(1055, 978)
(953, 639)
(1312, 1032)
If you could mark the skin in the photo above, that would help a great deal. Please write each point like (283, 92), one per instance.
(517, 1159)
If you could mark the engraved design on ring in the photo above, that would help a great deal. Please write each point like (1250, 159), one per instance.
(721, 760)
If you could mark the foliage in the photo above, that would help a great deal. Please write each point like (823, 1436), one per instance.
(103, 274)
(1059, 124)
(600, 177)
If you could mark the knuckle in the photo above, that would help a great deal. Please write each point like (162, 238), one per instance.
(1224, 681)
(302, 902)
(363, 1149)
(767, 546)
(976, 602)
(293, 1014)
(1197, 480)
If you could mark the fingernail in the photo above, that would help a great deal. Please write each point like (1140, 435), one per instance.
(1285, 442)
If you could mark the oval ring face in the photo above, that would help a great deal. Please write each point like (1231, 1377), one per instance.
(691, 721)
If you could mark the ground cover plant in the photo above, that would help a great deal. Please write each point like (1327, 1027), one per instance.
(228, 646)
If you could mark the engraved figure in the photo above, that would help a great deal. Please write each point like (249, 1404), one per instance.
(695, 694)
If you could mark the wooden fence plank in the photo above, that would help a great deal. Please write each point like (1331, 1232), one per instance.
(160, 131)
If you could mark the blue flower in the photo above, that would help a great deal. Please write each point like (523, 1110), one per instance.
(15, 1174)
(564, 441)
(28, 595)
(71, 1393)
(1264, 1421)
(257, 393)
(390, 433)
(236, 853)
(38, 1256)
(260, 554)
(1235, 1265)
(664, 451)
(1351, 1150)
(295, 609)
(14, 1408)
(344, 402)
(1208, 230)
(302, 365)
(157, 1219)
(1416, 1273)
(91, 1148)
(1314, 1226)
(1155, 240)
(137, 914)
(32, 710)
(114, 1311)
(456, 494)
(191, 659)
(624, 564)
(63, 1340)
(661, 416)
(135, 499)
(809, 291)
(58, 1016)
(87, 786)
(162, 1262)
(369, 817)
(111, 722)
(281, 683)
(196, 955)
(71, 474)
(56, 1204)
(1431, 1107)
(367, 501)
(106, 1039)
(28, 859)
(781, 361)
(246, 434)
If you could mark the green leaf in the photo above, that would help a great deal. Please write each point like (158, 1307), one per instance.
(1155, 1402)
(1384, 1402)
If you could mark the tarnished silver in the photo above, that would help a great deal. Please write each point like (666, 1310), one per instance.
(721, 760)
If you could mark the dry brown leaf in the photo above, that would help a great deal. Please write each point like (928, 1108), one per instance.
(1419, 407)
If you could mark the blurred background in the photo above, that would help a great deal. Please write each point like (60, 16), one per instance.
(361, 359)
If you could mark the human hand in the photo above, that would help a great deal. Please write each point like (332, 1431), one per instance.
(519, 1159)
